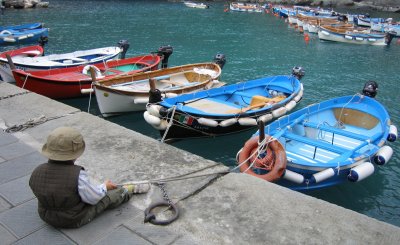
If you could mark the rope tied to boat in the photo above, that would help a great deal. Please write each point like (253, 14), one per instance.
(33, 122)
(169, 124)
(26, 79)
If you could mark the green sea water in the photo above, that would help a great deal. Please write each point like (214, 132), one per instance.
(255, 45)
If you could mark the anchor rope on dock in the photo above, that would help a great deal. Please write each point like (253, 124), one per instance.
(34, 122)
(13, 95)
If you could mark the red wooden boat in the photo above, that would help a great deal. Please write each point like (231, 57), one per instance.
(65, 83)
(29, 51)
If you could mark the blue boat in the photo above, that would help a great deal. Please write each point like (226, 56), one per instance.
(28, 26)
(323, 144)
(8, 37)
(226, 109)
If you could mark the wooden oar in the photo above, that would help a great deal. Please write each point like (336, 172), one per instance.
(258, 101)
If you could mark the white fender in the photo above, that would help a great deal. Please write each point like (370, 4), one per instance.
(359, 38)
(325, 33)
(348, 37)
(293, 177)
(265, 118)
(279, 112)
(323, 175)
(361, 172)
(247, 121)
(86, 71)
(383, 155)
(9, 40)
(141, 100)
(152, 120)
(87, 91)
(22, 37)
(170, 95)
(392, 133)
(289, 106)
(299, 95)
(372, 39)
(154, 110)
(207, 122)
(228, 122)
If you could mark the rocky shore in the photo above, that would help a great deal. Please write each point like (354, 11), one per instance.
(380, 5)
(21, 4)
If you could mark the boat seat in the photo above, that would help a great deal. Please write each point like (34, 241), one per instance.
(336, 131)
(314, 142)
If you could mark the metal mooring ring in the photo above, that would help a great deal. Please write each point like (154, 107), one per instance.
(150, 217)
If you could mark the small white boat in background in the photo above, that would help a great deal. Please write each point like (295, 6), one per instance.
(196, 5)
(354, 36)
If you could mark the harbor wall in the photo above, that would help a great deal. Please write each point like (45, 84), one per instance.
(233, 208)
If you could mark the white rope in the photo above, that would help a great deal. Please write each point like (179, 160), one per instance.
(26, 78)
(169, 124)
(90, 97)
(261, 146)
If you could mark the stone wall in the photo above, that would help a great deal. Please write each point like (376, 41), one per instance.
(20, 4)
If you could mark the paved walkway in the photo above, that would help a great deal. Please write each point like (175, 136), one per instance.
(21, 224)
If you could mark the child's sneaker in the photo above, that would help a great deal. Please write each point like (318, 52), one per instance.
(137, 188)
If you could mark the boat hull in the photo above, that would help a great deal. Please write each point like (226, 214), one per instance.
(22, 36)
(69, 82)
(53, 61)
(378, 40)
(131, 93)
(225, 110)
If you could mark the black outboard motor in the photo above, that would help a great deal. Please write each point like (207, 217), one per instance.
(124, 45)
(298, 72)
(42, 41)
(154, 96)
(220, 60)
(370, 89)
(165, 52)
(389, 37)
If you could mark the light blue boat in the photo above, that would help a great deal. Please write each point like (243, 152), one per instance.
(28, 26)
(225, 110)
(10, 37)
(325, 144)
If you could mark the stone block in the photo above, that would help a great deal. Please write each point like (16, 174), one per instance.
(46, 235)
(17, 191)
(122, 236)
(20, 167)
(23, 219)
(15, 150)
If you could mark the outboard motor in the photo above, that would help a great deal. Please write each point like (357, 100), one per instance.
(154, 96)
(42, 41)
(389, 37)
(298, 72)
(370, 89)
(220, 60)
(124, 45)
(165, 52)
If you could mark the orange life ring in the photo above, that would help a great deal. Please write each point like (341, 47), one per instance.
(275, 159)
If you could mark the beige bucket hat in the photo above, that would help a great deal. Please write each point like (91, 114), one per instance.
(64, 144)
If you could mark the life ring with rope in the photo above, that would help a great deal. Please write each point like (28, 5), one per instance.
(86, 71)
(273, 161)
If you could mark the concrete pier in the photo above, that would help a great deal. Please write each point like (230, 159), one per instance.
(233, 209)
